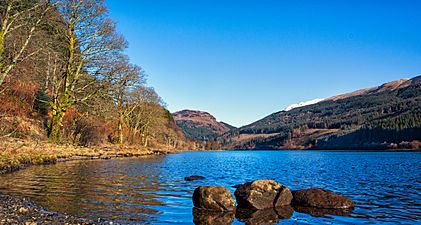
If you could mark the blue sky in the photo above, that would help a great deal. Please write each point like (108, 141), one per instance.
(243, 60)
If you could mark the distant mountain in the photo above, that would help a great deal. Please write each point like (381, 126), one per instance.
(387, 116)
(200, 126)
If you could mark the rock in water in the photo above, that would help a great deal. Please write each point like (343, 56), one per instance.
(195, 177)
(320, 198)
(262, 194)
(213, 198)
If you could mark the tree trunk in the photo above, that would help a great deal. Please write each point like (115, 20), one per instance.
(60, 107)
(2, 63)
(56, 126)
(120, 129)
(146, 142)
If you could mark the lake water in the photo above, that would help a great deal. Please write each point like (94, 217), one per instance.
(385, 186)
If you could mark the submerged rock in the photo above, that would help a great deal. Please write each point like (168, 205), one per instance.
(262, 194)
(213, 198)
(206, 217)
(195, 177)
(320, 198)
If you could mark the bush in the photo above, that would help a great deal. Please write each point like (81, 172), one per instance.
(83, 130)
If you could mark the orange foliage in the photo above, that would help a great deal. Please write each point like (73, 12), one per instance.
(85, 130)
(17, 98)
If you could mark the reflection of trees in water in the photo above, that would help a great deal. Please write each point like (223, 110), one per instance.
(108, 189)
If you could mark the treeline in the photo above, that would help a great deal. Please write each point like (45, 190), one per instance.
(402, 131)
(64, 76)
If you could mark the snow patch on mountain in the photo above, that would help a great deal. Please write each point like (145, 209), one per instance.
(301, 104)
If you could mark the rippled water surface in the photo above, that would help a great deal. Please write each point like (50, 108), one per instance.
(386, 187)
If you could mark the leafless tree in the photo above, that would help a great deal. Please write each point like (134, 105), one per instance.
(125, 77)
(92, 43)
(19, 20)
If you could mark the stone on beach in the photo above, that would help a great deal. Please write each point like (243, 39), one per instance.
(23, 210)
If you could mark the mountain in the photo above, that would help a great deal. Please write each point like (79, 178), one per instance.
(200, 126)
(386, 116)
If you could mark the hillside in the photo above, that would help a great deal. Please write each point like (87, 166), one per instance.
(387, 116)
(65, 79)
(200, 126)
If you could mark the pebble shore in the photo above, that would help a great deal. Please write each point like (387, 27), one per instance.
(16, 210)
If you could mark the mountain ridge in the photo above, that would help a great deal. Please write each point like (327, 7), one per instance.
(370, 111)
(381, 117)
(199, 125)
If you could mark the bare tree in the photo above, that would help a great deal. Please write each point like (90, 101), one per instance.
(19, 20)
(143, 113)
(124, 78)
(91, 43)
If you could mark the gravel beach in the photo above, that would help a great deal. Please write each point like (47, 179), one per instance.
(16, 210)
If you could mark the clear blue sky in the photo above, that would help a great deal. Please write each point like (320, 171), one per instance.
(243, 60)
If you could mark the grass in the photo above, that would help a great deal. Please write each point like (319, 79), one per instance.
(18, 153)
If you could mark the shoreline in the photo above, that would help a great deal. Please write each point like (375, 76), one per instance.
(12, 169)
(22, 210)
(17, 154)
(329, 150)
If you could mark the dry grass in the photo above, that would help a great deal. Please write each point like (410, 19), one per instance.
(17, 153)
(247, 137)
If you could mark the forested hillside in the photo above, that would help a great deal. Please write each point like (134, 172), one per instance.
(64, 77)
(201, 127)
(388, 116)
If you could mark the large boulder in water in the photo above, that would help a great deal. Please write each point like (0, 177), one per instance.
(320, 198)
(213, 198)
(262, 194)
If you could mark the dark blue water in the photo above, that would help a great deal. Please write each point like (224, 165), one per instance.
(386, 187)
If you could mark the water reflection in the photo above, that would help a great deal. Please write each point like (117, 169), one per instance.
(264, 216)
(86, 188)
(317, 212)
(206, 217)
